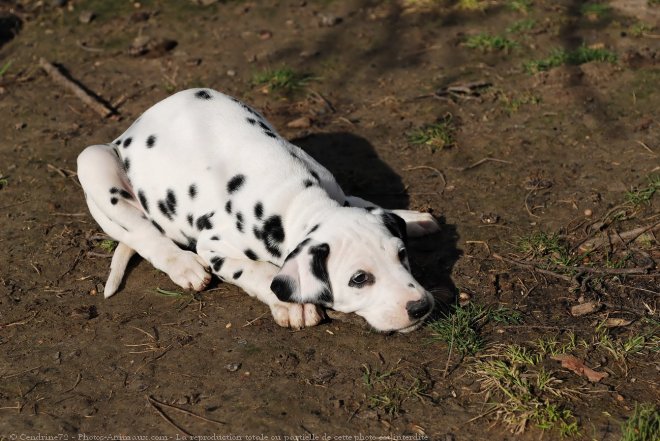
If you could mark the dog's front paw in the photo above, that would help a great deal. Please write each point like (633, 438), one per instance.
(295, 315)
(187, 270)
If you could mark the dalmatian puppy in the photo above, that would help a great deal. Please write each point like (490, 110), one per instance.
(202, 182)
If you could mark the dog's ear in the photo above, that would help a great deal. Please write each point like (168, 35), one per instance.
(394, 223)
(303, 277)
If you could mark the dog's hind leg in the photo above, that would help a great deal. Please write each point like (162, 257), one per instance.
(114, 207)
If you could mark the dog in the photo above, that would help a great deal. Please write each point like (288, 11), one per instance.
(202, 183)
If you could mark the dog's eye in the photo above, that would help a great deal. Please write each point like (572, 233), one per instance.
(402, 254)
(360, 279)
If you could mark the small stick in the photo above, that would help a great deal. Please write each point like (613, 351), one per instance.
(533, 267)
(166, 418)
(93, 102)
(626, 237)
(254, 320)
(75, 384)
(426, 167)
(482, 161)
(647, 148)
(186, 411)
(18, 322)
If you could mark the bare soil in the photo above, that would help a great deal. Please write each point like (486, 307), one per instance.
(552, 151)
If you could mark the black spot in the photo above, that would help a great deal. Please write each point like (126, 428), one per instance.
(257, 232)
(297, 249)
(118, 142)
(125, 194)
(307, 183)
(314, 228)
(272, 235)
(163, 209)
(259, 210)
(158, 227)
(315, 175)
(395, 225)
(204, 222)
(215, 237)
(264, 126)
(346, 204)
(228, 207)
(192, 191)
(128, 141)
(114, 201)
(217, 262)
(170, 199)
(190, 219)
(114, 190)
(127, 164)
(235, 183)
(239, 222)
(143, 200)
(203, 95)
(410, 285)
(283, 287)
(251, 254)
(237, 274)
(319, 267)
(251, 120)
(151, 140)
(370, 209)
(190, 245)
(271, 134)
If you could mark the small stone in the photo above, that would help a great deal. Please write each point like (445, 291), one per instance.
(231, 73)
(300, 123)
(228, 325)
(308, 54)
(588, 212)
(329, 20)
(86, 17)
(265, 35)
(20, 125)
(233, 367)
(464, 298)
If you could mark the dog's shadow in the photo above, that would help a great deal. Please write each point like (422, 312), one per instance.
(361, 172)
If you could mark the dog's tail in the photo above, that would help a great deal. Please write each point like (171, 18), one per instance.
(120, 259)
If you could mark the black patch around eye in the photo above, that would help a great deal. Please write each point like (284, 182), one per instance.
(251, 120)
(204, 222)
(361, 280)
(235, 183)
(143, 200)
(259, 210)
(192, 191)
(128, 141)
(250, 254)
(114, 201)
(395, 225)
(217, 262)
(127, 164)
(228, 207)
(158, 227)
(151, 141)
(237, 274)
(203, 95)
(190, 218)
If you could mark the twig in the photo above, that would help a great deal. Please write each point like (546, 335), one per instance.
(186, 411)
(18, 322)
(166, 418)
(84, 47)
(426, 167)
(75, 384)
(627, 236)
(254, 320)
(482, 161)
(647, 148)
(527, 206)
(4, 377)
(93, 102)
(533, 267)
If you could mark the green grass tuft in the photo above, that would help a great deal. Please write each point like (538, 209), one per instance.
(490, 43)
(460, 330)
(284, 80)
(437, 136)
(108, 245)
(520, 5)
(559, 57)
(643, 424)
(644, 195)
(521, 26)
(5, 67)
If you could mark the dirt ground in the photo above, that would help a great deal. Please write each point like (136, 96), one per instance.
(528, 165)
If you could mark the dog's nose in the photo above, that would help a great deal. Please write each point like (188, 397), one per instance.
(418, 308)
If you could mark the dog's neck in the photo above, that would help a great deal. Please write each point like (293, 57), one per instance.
(307, 209)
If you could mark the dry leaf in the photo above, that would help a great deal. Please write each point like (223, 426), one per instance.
(617, 322)
(584, 309)
(576, 365)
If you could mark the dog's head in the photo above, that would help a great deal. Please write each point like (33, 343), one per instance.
(356, 261)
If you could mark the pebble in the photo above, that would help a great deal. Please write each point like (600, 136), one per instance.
(329, 20)
(265, 35)
(300, 123)
(231, 73)
(588, 212)
(233, 367)
(86, 16)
